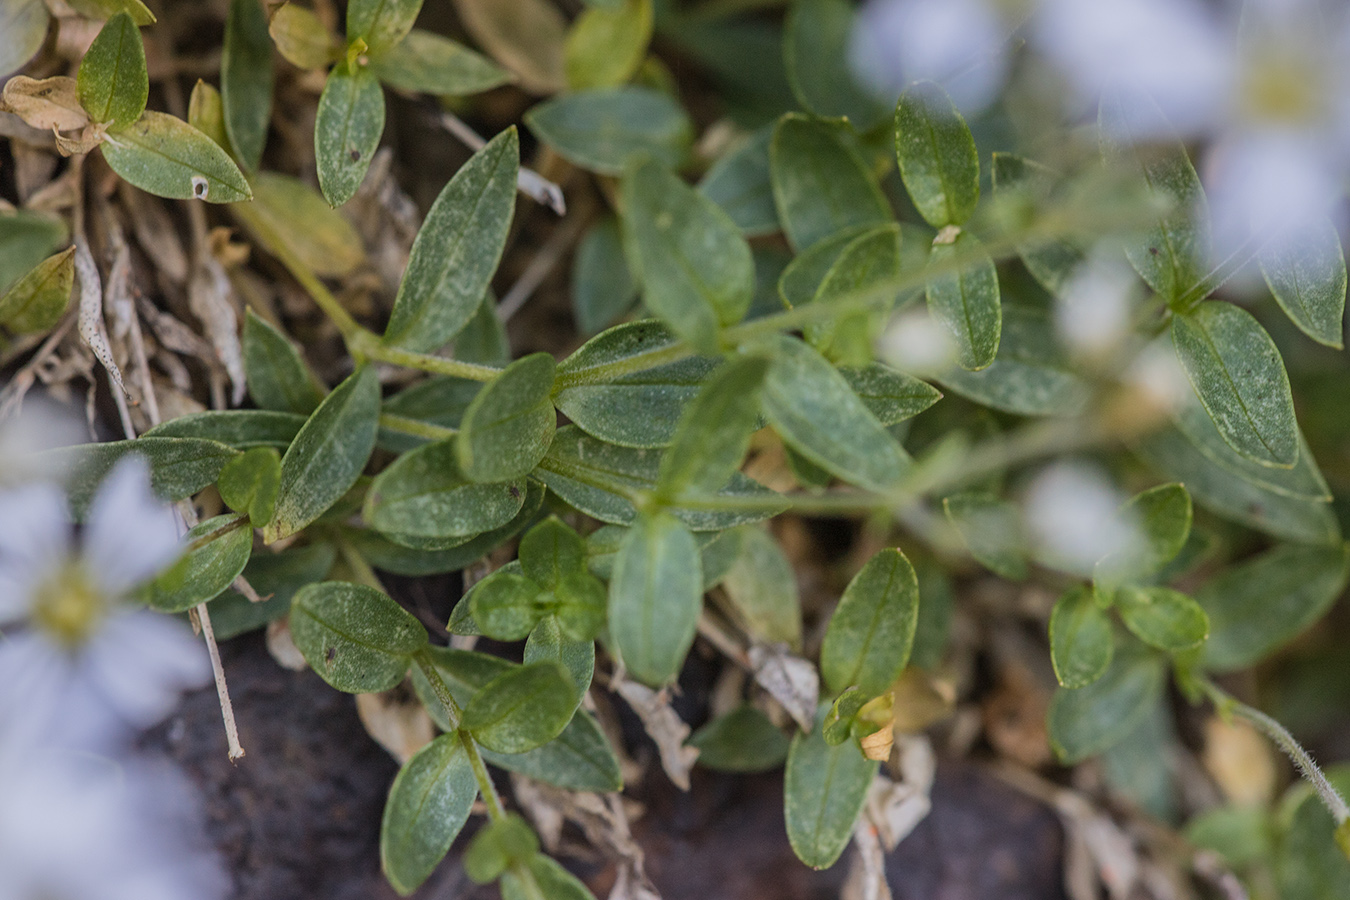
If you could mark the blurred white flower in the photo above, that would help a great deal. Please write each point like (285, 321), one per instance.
(1094, 308)
(916, 342)
(1158, 375)
(39, 425)
(1073, 517)
(78, 665)
(80, 828)
(961, 44)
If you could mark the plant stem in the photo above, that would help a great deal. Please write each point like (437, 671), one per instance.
(369, 345)
(360, 568)
(416, 427)
(455, 715)
(234, 524)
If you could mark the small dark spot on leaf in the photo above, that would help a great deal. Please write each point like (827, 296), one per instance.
(355, 155)
(1153, 250)
(330, 654)
(515, 492)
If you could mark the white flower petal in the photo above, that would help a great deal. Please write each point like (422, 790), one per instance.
(34, 539)
(1093, 310)
(1073, 517)
(130, 535)
(141, 662)
(45, 703)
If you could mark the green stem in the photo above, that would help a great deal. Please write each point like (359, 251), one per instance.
(234, 524)
(369, 345)
(360, 568)
(455, 715)
(416, 427)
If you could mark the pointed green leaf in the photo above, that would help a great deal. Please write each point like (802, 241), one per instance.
(428, 805)
(1303, 481)
(603, 130)
(762, 588)
(695, 269)
(167, 157)
(602, 287)
(179, 467)
(1306, 273)
(508, 427)
(816, 40)
(872, 629)
(937, 156)
(328, 454)
(1085, 721)
(428, 63)
(1238, 375)
(205, 572)
(457, 249)
(1163, 618)
(277, 377)
(966, 300)
(605, 47)
(347, 131)
(521, 709)
(992, 531)
(655, 597)
(24, 25)
(1162, 517)
(246, 80)
(891, 396)
(714, 431)
(249, 484)
(288, 212)
(813, 409)
(424, 494)
(743, 740)
(382, 24)
(113, 83)
(550, 551)
(1081, 642)
(739, 183)
(356, 638)
(820, 186)
(39, 299)
(242, 429)
(824, 791)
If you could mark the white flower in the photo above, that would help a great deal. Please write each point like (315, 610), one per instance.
(78, 665)
(1073, 517)
(916, 342)
(1093, 309)
(961, 44)
(81, 828)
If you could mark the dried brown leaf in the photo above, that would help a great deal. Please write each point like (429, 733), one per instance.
(47, 103)
(663, 726)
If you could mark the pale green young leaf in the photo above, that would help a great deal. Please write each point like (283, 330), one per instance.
(739, 183)
(548, 641)
(762, 588)
(113, 82)
(992, 530)
(1085, 721)
(246, 80)
(550, 879)
(278, 378)
(423, 493)
(28, 239)
(356, 638)
(937, 156)
(328, 454)
(24, 25)
(457, 249)
(167, 157)
(816, 40)
(714, 431)
(1162, 517)
(1238, 375)
(249, 484)
(1081, 640)
(820, 186)
(39, 299)
(966, 301)
(605, 47)
(871, 632)
(743, 740)
(301, 37)
(287, 215)
(814, 410)
(508, 427)
(347, 131)
(655, 596)
(521, 709)
(1306, 273)
(1162, 617)
(497, 845)
(695, 269)
(427, 63)
(506, 605)
(428, 805)
(550, 552)
(603, 130)
(204, 573)
(824, 791)
(602, 287)
(382, 24)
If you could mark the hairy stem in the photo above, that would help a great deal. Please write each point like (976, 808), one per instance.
(416, 427)
(455, 715)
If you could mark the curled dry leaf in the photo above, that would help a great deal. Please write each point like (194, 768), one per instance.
(282, 648)
(48, 103)
(791, 680)
(209, 299)
(663, 726)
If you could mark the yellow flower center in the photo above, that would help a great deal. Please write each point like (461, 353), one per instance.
(68, 605)
(1279, 87)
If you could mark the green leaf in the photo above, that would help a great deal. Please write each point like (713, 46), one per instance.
(113, 83)
(28, 238)
(24, 25)
(695, 269)
(551, 881)
(966, 300)
(1238, 375)
(802, 277)
(496, 846)
(302, 38)
(521, 709)
(204, 573)
(1308, 863)
(577, 657)
(638, 409)
(242, 429)
(1168, 255)
(1162, 516)
(992, 530)
(1303, 481)
(424, 494)
(1081, 641)
(739, 183)
(347, 130)
(428, 805)
(246, 80)
(1306, 273)
(602, 130)
(605, 47)
(1217, 489)
(167, 157)
(249, 484)
(869, 261)
(1163, 618)
(820, 186)
(843, 715)
(550, 552)
(601, 479)
(103, 9)
(506, 606)
(277, 376)
(872, 629)
(457, 249)
(816, 55)
(763, 589)
(823, 793)
(714, 432)
(937, 156)
(179, 467)
(814, 410)
(1087, 720)
(743, 740)
(579, 759)
(287, 215)
(382, 24)
(356, 638)
(1258, 606)
(891, 396)
(508, 427)
(39, 299)
(602, 287)
(428, 63)
(328, 454)
(276, 576)
(1025, 186)
(655, 597)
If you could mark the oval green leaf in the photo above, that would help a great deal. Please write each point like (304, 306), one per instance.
(1163, 618)
(1081, 640)
(523, 708)
(937, 156)
(167, 157)
(206, 572)
(871, 632)
(508, 427)
(714, 432)
(965, 299)
(602, 130)
(382, 24)
(1087, 720)
(655, 597)
(820, 186)
(424, 494)
(428, 804)
(113, 83)
(277, 376)
(356, 638)
(428, 63)
(347, 130)
(823, 793)
(1305, 271)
